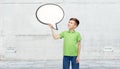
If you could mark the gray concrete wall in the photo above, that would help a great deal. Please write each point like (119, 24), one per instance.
(22, 37)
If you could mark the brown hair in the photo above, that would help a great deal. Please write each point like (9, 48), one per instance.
(76, 20)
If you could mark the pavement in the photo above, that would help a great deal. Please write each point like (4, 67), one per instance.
(57, 64)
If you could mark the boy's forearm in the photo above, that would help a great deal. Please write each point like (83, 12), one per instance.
(79, 49)
(53, 34)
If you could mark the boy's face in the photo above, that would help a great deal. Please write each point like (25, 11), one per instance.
(72, 24)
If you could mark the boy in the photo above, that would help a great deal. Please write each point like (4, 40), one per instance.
(71, 48)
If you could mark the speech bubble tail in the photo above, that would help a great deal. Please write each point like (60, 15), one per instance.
(55, 27)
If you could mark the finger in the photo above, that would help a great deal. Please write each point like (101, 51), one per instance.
(76, 61)
(49, 25)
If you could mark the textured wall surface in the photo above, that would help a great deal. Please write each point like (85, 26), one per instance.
(22, 37)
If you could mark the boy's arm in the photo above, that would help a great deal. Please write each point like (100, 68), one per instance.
(79, 49)
(55, 36)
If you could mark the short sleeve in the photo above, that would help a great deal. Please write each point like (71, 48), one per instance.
(61, 35)
(79, 38)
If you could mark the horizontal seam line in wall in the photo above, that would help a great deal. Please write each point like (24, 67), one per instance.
(92, 2)
(69, 3)
(31, 3)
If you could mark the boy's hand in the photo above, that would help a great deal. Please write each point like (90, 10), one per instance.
(77, 59)
(50, 25)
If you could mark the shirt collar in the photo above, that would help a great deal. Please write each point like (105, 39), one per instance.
(71, 32)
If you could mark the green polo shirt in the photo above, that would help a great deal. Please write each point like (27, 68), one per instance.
(71, 40)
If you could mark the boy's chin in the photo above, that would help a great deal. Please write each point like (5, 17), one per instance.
(69, 28)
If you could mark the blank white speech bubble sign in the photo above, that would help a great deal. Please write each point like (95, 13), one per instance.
(50, 14)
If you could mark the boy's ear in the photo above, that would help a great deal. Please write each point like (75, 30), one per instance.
(75, 25)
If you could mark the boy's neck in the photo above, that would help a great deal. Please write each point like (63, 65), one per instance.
(71, 30)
